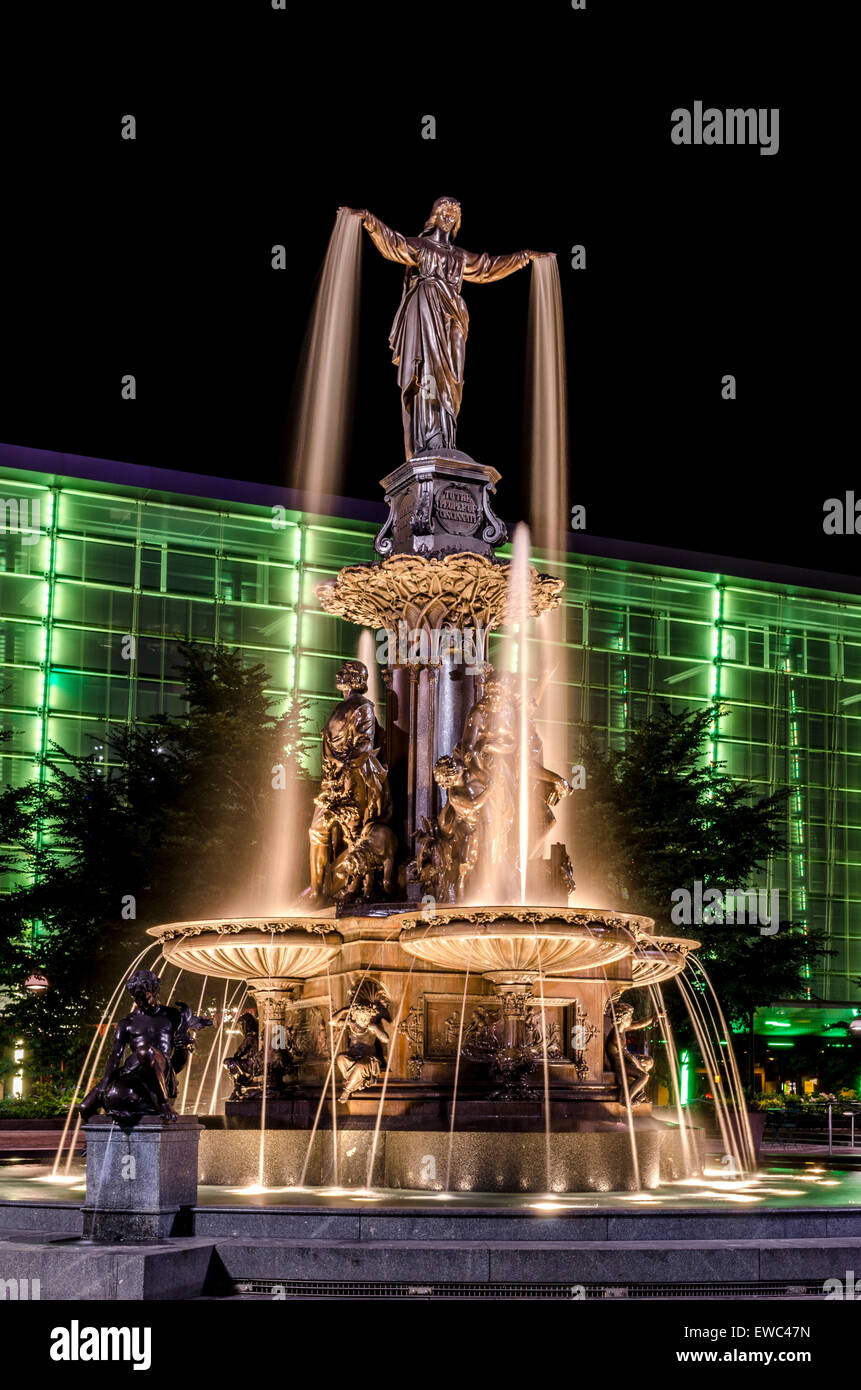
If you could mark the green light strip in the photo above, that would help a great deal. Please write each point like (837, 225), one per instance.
(48, 620)
(685, 1079)
(717, 657)
(799, 855)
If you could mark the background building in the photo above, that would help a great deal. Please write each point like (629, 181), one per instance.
(93, 552)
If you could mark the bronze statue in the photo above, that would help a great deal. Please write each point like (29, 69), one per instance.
(631, 1067)
(159, 1039)
(447, 848)
(250, 1066)
(354, 802)
(243, 1067)
(361, 1023)
(361, 867)
(472, 844)
(428, 336)
(490, 752)
(472, 849)
(546, 791)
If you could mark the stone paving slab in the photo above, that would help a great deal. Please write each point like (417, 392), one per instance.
(178, 1270)
(400, 1262)
(270, 1223)
(660, 1262)
(494, 1225)
(41, 1216)
(196, 1267)
(676, 1262)
(13, 1142)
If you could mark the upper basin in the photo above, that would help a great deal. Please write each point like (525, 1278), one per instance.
(521, 940)
(251, 948)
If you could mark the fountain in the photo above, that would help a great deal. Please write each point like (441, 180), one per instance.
(436, 1015)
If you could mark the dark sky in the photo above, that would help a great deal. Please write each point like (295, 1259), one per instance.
(553, 128)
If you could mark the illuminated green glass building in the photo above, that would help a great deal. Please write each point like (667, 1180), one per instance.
(94, 553)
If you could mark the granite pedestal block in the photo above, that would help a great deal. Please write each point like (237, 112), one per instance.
(141, 1179)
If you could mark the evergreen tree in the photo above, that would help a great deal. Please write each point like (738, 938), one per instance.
(658, 817)
(174, 829)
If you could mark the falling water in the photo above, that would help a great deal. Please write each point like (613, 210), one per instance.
(261, 1165)
(102, 1031)
(390, 1054)
(546, 1064)
(547, 436)
(520, 568)
(328, 368)
(172, 989)
(722, 1113)
(457, 1069)
(94, 1070)
(335, 1048)
(236, 1011)
(547, 407)
(334, 1089)
(94, 1198)
(367, 653)
(620, 1041)
(264, 1022)
(516, 658)
(723, 1034)
(369, 1181)
(190, 1063)
(657, 1001)
(214, 1048)
(317, 460)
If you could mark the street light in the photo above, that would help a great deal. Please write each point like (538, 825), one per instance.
(37, 983)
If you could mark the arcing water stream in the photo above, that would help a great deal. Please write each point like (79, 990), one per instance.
(328, 371)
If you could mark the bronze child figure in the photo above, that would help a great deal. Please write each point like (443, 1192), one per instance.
(360, 1023)
(150, 1047)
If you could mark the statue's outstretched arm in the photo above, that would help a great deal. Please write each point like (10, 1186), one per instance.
(388, 242)
(483, 269)
(543, 774)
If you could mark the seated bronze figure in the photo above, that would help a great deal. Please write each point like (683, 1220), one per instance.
(633, 1070)
(150, 1047)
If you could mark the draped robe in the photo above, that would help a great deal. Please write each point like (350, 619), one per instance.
(428, 336)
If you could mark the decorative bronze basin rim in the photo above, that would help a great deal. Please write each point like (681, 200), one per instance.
(527, 940)
(251, 948)
(659, 958)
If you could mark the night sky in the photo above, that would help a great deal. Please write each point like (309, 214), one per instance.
(153, 257)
